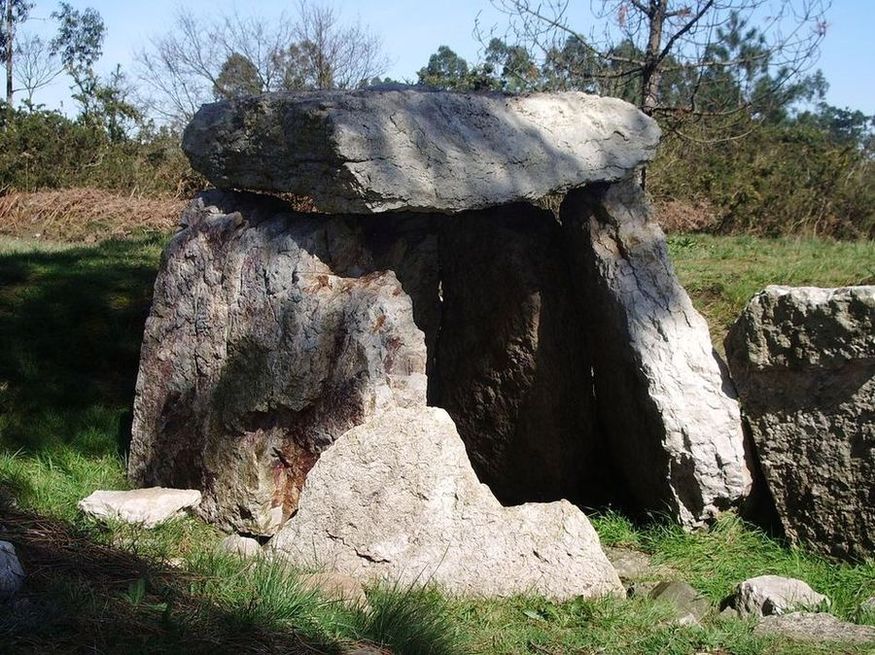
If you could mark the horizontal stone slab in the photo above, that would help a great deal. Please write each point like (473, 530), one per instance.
(375, 151)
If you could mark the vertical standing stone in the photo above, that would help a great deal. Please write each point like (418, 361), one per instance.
(665, 403)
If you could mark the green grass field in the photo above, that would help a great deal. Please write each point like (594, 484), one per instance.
(71, 319)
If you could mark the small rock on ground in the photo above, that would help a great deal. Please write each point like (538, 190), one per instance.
(147, 507)
(691, 606)
(815, 626)
(236, 544)
(766, 595)
(11, 571)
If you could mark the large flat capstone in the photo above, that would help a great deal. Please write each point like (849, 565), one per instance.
(376, 151)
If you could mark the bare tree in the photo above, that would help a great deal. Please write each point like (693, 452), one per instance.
(677, 51)
(336, 55)
(37, 65)
(195, 61)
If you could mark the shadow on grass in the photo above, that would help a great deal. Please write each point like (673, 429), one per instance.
(82, 596)
(71, 322)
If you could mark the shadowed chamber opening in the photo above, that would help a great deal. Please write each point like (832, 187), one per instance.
(508, 351)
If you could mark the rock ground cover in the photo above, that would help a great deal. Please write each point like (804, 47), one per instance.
(64, 401)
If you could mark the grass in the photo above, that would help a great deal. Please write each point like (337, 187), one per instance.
(721, 273)
(71, 319)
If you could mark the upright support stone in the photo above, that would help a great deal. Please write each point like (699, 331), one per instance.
(804, 362)
(663, 398)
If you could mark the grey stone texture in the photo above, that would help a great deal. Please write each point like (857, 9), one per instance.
(689, 605)
(149, 507)
(803, 360)
(375, 151)
(235, 544)
(669, 412)
(11, 572)
(266, 341)
(766, 595)
(396, 499)
(818, 627)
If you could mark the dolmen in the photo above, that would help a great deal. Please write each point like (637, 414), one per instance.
(410, 333)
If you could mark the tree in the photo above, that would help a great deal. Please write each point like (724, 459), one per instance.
(198, 60)
(238, 77)
(37, 66)
(13, 12)
(79, 44)
(445, 70)
(678, 52)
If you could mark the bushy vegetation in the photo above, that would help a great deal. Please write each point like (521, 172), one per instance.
(804, 176)
(46, 150)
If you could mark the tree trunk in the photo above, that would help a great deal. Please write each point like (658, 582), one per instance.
(10, 37)
(651, 74)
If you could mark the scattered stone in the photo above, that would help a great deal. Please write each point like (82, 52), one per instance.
(146, 507)
(365, 152)
(803, 360)
(396, 500)
(672, 421)
(691, 606)
(815, 626)
(766, 595)
(11, 572)
(236, 544)
(630, 564)
(337, 586)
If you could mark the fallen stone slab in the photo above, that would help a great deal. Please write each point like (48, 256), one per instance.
(148, 507)
(11, 572)
(815, 627)
(768, 595)
(396, 500)
(375, 151)
(803, 360)
(671, 419)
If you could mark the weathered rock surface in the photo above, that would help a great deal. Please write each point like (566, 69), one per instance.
(11, 572)
(268, 339)
(235, 544)
(514, 368)
(690, 606)
(273, 332)
(766, 595)
(396, 499)
(669, 411)
(373, 151)
(803, 360)
(146, 507)
(815, 627)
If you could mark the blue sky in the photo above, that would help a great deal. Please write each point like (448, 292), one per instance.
(411, 31)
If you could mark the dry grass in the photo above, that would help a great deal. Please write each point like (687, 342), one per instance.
(85, 215)
(685, 216)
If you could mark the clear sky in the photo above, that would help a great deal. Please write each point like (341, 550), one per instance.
(411, 31)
